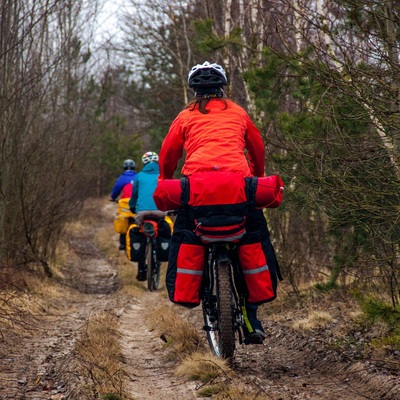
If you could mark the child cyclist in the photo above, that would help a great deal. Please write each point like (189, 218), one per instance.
(214, 132)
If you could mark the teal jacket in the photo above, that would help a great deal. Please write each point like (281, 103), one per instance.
(144, 185)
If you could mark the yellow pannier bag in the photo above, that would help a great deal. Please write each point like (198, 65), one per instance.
(121, 219)
(170, 223)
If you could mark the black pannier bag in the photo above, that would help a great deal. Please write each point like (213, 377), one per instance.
(163, 242)
(135, 244)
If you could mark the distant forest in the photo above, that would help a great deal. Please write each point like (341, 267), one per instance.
(321, 79)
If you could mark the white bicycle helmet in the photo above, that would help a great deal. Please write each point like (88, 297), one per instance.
(207, 75)
(148, 157)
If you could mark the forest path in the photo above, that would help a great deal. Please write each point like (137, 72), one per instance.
(291, 365)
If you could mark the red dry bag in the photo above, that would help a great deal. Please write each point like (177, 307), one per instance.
(269, 193)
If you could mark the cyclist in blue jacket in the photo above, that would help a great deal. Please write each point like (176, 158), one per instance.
(123, 189)
(126, 178)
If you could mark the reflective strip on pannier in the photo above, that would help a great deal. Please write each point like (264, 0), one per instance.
(188, 271)
(256, 270)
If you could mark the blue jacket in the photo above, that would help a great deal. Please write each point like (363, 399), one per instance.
(125, 178)
(144, 185)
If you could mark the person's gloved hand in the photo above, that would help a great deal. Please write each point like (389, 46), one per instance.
(113, 200)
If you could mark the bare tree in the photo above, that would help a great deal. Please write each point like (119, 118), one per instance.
(45, 123)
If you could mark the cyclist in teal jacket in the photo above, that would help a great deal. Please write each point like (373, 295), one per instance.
(144, 185)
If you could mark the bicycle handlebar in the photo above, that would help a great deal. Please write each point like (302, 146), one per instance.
(142, 215)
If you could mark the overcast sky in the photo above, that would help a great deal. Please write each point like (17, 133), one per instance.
(108, 18)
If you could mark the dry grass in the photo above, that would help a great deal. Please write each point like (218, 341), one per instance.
(239, 392)
(216, 379)
(180, 335)
(212, 372)
(203, 367)
(15, 313)
(315, 319)
(99, 360)
(24, 296)
(214, 376)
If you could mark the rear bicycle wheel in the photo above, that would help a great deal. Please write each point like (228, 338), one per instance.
(218, 314)
(153, 267)
(225, 310)
(149, 264)
(156, 268)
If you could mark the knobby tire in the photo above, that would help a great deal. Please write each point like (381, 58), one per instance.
(153, 267)
(225, 310)
(150, 266)
(156, 270)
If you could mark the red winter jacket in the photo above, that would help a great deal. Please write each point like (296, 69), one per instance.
(213, 142)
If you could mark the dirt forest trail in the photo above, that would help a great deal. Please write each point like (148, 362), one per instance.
(291, 365)
(151, 375)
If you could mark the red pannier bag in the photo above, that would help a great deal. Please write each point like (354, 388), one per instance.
(256, 273)
(260, 277)
(185, 269)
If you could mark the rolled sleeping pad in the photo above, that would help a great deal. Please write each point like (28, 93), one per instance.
(167, 195)
(269, 193)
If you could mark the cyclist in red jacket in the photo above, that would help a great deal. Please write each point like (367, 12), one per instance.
(217, 135)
